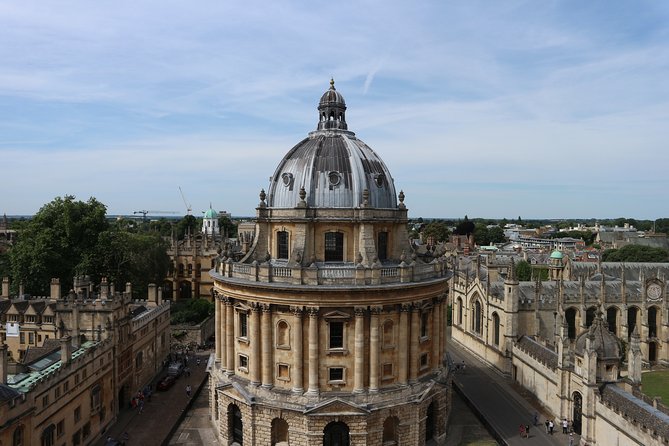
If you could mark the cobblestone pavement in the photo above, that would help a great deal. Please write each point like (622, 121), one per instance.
(155, 425)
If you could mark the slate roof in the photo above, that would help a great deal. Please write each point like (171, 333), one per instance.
(538, 351)
(636, 410)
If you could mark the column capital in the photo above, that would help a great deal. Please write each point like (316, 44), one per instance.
(255, 307)
(313, 311)
(375, 311)
(226, 300)
(406, 308)
(265, 308)
(297, 311)
(359, 311)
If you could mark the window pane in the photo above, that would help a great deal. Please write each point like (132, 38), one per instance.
(282, 244)
(336, 334)
(334, 247)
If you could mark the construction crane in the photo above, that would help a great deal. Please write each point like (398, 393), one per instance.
(145, 213)
(189, 208)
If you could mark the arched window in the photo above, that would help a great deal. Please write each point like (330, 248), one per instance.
(590, 316)
(279, 431)
(632, 315)
(570, 317)
(336, 433)
(391, 431)
(652, 352)
(235, 426)
(334, 247)
(495, 327)
(459, 311)
(612, 319)
(48, 436)
(477, 316)
(282, 245)
(17, 438)
(430, 421)
(652, 322)
(577, 412)
(181, 269)
(282, 335)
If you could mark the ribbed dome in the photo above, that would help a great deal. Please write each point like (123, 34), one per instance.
(557, 255)
(605, 343)
(332, 165)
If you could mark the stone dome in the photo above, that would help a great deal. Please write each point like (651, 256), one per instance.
(333, 166)
(604, 342)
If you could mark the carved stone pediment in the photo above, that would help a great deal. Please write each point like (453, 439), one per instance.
(337, 406)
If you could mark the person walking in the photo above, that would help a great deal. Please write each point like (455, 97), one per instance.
(522, 431)
(571, 439)
(546, 423)
(535, 419)
(565, 426)
(527, 431)
(550, 427)
(188, 390)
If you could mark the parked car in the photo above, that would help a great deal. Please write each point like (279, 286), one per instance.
(167, 382)
(175, 369)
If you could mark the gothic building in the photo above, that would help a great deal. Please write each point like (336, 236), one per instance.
(330, 331)
(577, 341)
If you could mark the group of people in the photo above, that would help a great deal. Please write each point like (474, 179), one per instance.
(550, 426)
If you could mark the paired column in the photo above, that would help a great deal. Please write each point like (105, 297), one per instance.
(298, 360)
(359, 352)
(255, 344)
(413, 344)
(267, 347)
(374, 350)
(217, 332)
(404, 343)
(436, 334)
(313, 351)
(229, 337)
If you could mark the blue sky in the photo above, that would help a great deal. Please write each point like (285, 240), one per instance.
(538, 109)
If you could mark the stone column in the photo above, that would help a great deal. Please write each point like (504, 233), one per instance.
(413, 344)
(217, 331)
(374, 350)
(255, 360)
(267, 347)
(444, 326)
(313, 351)
(359, 353)
(404, 343)
(298, 359)
(435, 334)
(229, 337)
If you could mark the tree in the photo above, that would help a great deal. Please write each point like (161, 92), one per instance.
(523, 270)
(438, 230)
(636, 253)
(227, 227)
(56, 242)
(187, 224)
(496, 234)
(465, 227)
(481, 234)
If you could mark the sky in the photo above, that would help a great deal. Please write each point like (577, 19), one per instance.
(532, 109)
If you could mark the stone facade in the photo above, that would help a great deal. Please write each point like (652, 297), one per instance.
(329, 331)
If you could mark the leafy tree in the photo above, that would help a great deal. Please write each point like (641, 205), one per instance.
(438, 230)
(227, 227)
(481, 234)
(192, 311)
(496, 234)
(636, 253)
(465, 227)
(56, 242)
(523, 270)
(187, 224)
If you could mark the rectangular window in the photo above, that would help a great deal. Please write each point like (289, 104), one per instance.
(334, 247)
(56, 392)
(76, 438)
(387, 370)
(424, 361)
(76, 379)
(31, 338)
(424, 321)
(336, 335)
(66, 386)
(283, 372)
(60, 428)
(77, 414)
(243, 363)
(95, 397)
(336, 374)
(45, 400)
(282, 245)
(86, 431)
(22, 338)
(243, 325)
(382, 246)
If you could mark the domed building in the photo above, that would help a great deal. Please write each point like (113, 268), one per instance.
(330, 331)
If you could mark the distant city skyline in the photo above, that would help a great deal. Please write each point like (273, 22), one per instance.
(486, 109)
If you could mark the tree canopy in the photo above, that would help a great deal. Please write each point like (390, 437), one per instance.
(438, 230)
(636, 253)
(68, 237)
(465, 227)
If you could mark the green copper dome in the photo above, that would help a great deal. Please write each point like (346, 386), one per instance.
(210, 213)
(556, 255)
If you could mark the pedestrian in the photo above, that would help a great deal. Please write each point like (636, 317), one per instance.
(198, 361)
(546, 423)
(124, 438)
(527, 431)
(522, 431)
(550, 427)
(535, 420)
(188, 390)
(141, 406)
(571, 439)
(463, 366)
(565, 426)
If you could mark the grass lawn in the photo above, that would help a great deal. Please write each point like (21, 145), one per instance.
(656, 384)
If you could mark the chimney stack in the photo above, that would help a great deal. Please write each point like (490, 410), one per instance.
(5, 288)
(104, 289)
(152, 295)
(55, 289)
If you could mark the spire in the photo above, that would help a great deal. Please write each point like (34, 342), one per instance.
(512, 271)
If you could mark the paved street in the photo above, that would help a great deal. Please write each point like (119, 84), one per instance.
(501, 404)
